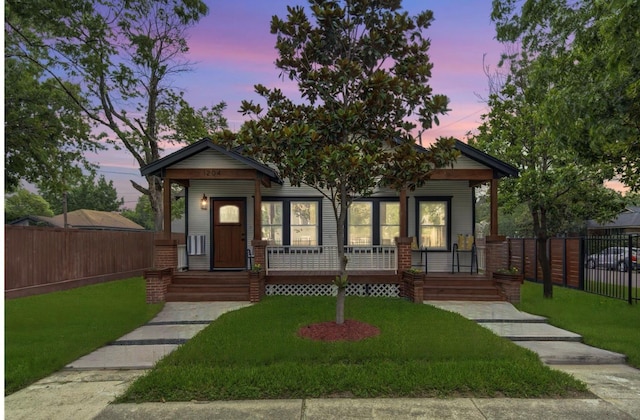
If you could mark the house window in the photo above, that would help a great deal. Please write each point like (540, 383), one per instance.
(304, 223)
(272, 222)
(360, 226)
(373, 222)
(433, 222)
(389, 222)
(229, 214)
(293, 222)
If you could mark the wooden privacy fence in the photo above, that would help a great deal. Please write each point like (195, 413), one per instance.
(565, 258)
(42, 260)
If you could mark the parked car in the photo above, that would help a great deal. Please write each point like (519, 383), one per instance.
(614, 258)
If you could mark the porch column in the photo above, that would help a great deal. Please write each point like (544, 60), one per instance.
(404, 253)
(166, 208)
(403, 213)
(257, 211)
(259, 252)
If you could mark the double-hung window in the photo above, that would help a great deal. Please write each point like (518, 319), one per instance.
(294, 222)
(434, 222)
(373, 222)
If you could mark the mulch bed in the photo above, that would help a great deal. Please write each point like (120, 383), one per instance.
(350, 330)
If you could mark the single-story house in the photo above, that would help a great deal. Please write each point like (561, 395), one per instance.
(627, 222)
(241, 217)
(82, 219)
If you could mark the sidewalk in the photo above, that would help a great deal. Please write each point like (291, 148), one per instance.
(85, 388)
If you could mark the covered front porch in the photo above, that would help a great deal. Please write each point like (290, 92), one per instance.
(254, 240)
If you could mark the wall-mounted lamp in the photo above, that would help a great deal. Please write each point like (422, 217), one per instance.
(204, 202)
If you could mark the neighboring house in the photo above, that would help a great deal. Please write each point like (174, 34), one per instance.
(238, 212)
(627, 222)
(82, 219)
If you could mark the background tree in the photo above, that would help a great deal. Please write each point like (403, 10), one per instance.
(45, 132)
(143, 214)
(362, 69)
(23, 203)
(87, 194)
(123, 54)
(591, 55)
(558, 185)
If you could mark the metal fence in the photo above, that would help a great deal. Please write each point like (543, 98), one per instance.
(611, 266)
(604, 265)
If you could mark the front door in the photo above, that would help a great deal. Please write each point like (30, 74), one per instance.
(229, 234)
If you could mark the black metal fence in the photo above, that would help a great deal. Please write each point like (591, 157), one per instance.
(611, 266)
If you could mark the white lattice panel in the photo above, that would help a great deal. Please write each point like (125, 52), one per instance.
(386, 290)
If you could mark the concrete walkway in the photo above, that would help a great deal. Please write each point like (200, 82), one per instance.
(85, 388)
(555, 346)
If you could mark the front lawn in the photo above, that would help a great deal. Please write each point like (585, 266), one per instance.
(255, 353)
(43, 333)
(603, 322)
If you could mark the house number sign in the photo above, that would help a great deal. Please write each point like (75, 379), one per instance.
(211, 173)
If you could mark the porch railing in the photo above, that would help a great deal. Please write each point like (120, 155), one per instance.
(325, 258)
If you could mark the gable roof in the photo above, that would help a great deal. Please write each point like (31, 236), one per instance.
(158, 167)
(629, 218)
(85, 219)
(501, 169)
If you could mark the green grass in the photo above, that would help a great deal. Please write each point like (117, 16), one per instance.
(43, 333)
(255, 353)
(603, 322)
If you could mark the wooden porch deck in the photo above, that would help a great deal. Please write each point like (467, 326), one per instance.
(234, 285)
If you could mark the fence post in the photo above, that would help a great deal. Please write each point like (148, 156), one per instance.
(630, 268)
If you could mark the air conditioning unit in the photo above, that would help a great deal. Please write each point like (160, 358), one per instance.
(196, 244)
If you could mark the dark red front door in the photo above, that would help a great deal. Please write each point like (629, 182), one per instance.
(229, 234)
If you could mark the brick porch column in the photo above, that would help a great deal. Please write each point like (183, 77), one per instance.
(259, 252)
(497, 254)
(166, 253)
(404, 253)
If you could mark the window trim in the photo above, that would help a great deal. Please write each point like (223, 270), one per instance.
(286, 217)
(375, 219)
(448, 219)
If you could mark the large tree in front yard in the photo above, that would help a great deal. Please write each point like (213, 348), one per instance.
(362, 70)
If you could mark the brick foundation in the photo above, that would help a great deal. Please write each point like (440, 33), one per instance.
(157, 282)
(510, 288)
(412, 286)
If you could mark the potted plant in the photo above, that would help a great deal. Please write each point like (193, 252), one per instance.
(508, 274)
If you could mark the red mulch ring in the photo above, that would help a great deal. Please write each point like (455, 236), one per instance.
(351, 330)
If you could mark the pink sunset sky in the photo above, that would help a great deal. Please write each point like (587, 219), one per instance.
(232, 50)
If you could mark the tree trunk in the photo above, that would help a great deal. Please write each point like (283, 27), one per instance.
(540, 229)
(342, 279)
(340, 305)
(155, 197)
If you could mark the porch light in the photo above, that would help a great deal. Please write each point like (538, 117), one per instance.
(204, 202)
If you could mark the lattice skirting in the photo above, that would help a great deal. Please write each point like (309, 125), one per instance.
(386, 290)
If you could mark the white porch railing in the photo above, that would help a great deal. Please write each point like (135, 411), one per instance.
(182, 258)
(325, 258)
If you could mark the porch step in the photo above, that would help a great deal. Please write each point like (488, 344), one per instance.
(208, 287)
(470, 290)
